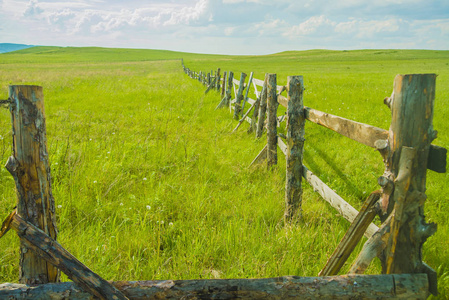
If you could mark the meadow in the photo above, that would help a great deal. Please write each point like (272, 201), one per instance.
(149, 182)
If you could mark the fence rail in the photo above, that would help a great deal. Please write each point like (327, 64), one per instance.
(405, 149)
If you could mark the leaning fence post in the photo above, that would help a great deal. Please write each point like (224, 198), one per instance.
(262, 108)
(247, 91)
(239, 97)
(31, 171)
(272, 106)
(295, 147)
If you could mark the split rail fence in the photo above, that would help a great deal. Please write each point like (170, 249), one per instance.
(405, 148)
(406, 151)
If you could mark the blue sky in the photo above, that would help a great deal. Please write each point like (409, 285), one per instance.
(228, 26)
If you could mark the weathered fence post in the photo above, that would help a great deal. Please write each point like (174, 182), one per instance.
(411, 133)
(272, 106)
(218, 80)
(239, 97)
(208, 79)
(262, 108)
(229, 88)
(223, 86)
(31, 171)
(295, 147)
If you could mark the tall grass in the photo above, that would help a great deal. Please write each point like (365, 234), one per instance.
(150, 184)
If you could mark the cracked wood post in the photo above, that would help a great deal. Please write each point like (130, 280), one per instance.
(239, 96)
(272, 107)
(411, 131)
(31, 171)
(295, 148)
(262, 108)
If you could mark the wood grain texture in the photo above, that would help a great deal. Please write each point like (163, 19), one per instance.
(403, 286)
(295, 148)
(411, 133)
(30, 168)
(272, 107)
(362, 133)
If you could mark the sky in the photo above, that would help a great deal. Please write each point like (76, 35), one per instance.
(228, 26)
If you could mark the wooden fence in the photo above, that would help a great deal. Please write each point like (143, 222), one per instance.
(406, 151)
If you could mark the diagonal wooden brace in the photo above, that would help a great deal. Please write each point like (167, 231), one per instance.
(54, 253)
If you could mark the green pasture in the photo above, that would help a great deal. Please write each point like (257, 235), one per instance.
(149, 183)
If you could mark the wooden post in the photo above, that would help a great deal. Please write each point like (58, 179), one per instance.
(223, 86)
(208, 79)
(411, 133)
(245, 99)
(31, 171)
(272, 107)
(295, 147)
(218, 80)
(229, 89)
(262, 108)
(239, 97)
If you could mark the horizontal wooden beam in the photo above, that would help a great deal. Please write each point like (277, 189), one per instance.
(362, 133)
(397, 286)
(283, 101)
(258, 82)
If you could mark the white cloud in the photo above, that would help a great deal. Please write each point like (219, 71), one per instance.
(32, 9)
(311, 26)
(187, 14)
(368, 29)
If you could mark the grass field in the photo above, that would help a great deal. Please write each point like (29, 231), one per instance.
(150, 184)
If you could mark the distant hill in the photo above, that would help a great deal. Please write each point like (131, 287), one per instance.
(7, 47)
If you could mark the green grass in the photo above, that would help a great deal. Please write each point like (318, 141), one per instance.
(150, 184)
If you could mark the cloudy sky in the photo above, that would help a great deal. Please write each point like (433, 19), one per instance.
(228, 26)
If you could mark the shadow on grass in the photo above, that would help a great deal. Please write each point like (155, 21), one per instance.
(347, 181)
